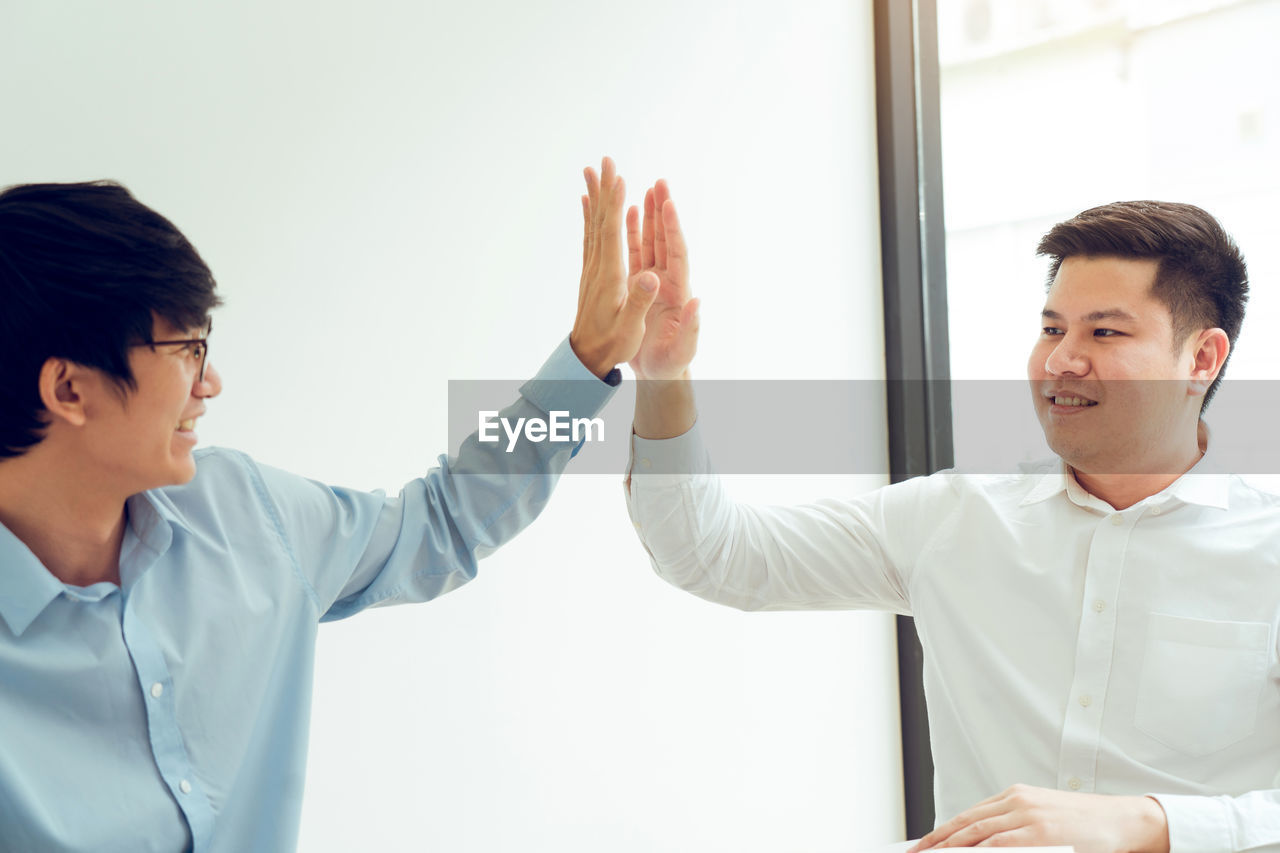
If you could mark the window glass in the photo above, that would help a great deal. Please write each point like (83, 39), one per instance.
(1049, 107)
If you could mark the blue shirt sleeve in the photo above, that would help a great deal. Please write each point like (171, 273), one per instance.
(356, 549)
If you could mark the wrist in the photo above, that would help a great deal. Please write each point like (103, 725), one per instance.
(664, 407)
(1151, 833)
(594, 359)
(659, 385)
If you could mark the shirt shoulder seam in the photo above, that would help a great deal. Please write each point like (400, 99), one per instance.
(277, 525)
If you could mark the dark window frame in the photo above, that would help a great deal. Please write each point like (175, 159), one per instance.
(917, 350)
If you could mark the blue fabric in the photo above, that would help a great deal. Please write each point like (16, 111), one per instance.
(171, 713)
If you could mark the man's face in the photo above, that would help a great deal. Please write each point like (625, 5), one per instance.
(145, 439)
(1109, 387)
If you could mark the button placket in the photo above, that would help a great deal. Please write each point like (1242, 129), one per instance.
(1095, 644)
(168, 747)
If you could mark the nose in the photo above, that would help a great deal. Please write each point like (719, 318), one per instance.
(210, 386)
(1067, 358)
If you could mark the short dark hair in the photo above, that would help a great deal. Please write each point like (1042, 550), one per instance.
(85, 269)
(1201, 275)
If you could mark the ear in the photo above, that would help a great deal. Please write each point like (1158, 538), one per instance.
(1209, 352)
(62, 388)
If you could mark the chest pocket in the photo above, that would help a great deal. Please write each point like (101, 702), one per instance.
(1201, 682)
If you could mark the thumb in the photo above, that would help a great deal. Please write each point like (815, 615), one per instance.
(689, 314)
(642, 292)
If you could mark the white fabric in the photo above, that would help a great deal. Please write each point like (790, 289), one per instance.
(1067, 645)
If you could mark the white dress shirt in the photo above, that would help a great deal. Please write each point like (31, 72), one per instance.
(1067, 645)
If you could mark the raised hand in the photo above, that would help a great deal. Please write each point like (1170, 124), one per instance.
(671, 327)
(612, 305)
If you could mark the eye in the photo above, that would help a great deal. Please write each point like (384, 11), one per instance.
(197, 350)
(1050, 331)
(1106, 333)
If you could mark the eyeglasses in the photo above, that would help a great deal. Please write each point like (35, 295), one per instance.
(199, 348)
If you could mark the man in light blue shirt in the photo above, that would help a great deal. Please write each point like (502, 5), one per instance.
(159, 605)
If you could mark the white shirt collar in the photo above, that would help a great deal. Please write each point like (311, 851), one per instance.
(1197, 486)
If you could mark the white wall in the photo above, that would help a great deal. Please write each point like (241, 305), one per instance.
(388, 194)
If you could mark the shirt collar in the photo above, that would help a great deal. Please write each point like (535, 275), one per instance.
(27, 587)
(1050, 483)
(1203, 484)
(147, 509)
(152, 520)
(1197, 486)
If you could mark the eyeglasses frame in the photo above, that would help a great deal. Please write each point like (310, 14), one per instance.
(204, 343)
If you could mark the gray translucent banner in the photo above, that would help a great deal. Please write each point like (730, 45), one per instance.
(838, 427)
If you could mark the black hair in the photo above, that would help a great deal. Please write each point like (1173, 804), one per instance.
(85, 268)
(1201, 276)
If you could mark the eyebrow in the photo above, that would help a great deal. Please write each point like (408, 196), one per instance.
(1094, 316)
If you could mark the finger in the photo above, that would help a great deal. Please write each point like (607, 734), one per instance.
(677, 253)
(642, 291)
(593, 187)
(608, 177)
(690, 316)
(610, 238)
(944, 831)
(690, 321)
(646, 237)
(660, 196)
(586, 229)
(1023, 836)
(633, 240)
(981, 830)
(586, 252)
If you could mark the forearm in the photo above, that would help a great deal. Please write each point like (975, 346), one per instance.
(664, 408)
(359, 549)
(826, 555)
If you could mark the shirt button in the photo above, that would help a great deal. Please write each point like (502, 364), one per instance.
(645, 463)
(1155, 510)
(185, 787)
(157, 690)
(1117, 520)
(1099, 606)
(1073, 783)
(1085, 700)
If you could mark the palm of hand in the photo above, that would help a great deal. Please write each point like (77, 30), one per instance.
(671, 324)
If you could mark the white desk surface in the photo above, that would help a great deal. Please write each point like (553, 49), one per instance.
(904, 846)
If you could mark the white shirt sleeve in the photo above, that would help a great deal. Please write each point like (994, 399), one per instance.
(831, 554)
(1221, 824)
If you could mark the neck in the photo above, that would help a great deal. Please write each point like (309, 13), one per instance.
(1124, 490)
(74, 529)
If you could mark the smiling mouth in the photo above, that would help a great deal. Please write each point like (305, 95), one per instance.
(1081, 402)
(187, 425)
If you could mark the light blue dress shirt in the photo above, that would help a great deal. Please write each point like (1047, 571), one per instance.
(171, 713)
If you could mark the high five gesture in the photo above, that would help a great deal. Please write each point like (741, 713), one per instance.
(611, 305)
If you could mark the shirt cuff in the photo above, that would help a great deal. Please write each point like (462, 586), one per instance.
(672, 458)
(565, 384)
(1196, 824)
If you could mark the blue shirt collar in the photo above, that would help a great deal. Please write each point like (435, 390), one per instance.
(27, 587)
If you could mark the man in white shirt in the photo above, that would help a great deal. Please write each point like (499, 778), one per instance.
(1099, 632)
